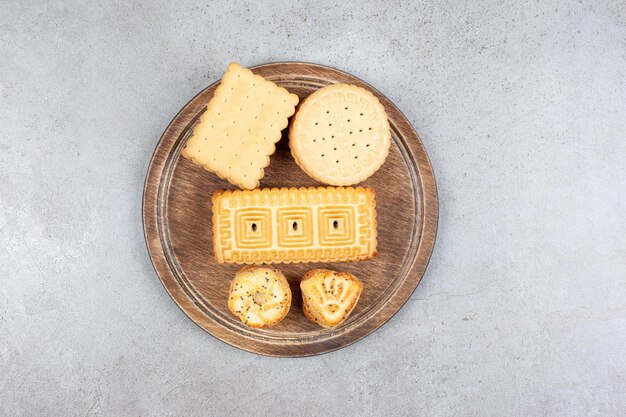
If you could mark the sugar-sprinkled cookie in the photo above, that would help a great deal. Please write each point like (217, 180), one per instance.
(237, 133)
(340, 135)
(259, 296)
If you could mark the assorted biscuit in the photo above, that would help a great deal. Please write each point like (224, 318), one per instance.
(339, 136)
(285, 225)
(328, 297)
(259, 296)
(236, 134)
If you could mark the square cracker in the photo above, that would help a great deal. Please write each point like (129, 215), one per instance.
(237, 133)
(315, 224)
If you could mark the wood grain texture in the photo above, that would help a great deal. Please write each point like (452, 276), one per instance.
(178, 226)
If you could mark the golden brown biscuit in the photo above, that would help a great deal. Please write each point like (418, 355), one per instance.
(340, 135)
(328, 297)
(323, 224)
(259, 296)
(237, 133)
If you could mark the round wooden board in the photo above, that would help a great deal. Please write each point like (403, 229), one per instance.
(178, 228)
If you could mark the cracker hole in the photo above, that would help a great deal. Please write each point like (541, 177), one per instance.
(327, 111)
(337, 161)
(361, 114)
(316, 123)
(369, 128)
(350, 132)
(330, 124)
(314, 140)
(356, 157)
(332, 136)
(335, 224)
(322, 155)
(360, 130)
(354, 144)
(295, 226)
(253, 227)
(334, 149)
(368, 145)
(348, 120)
(345, 108)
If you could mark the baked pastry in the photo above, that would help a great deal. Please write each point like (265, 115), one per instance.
(340, 135)
(328, 297)
(237, 133)
(260, 296)
(323, 224)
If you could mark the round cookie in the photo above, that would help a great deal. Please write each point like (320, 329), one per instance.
(340, 135)
(259, 296)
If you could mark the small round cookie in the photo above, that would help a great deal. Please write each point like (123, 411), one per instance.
(340, 135)
(328, 297)
(260, 296)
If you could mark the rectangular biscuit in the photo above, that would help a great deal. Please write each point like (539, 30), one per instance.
(237, 133)
(315, 224)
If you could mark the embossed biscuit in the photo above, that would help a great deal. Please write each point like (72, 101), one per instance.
(328, 297)
(316, 224)
(340, 135)
(237, 133)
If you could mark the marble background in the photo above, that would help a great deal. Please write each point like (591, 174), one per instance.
(522, 108)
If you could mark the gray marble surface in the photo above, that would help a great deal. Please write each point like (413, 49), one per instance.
(522, 108)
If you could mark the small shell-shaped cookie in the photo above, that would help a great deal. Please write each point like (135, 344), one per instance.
(259, 296)
(328, 297)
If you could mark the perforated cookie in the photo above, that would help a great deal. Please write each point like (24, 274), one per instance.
(237, 133)
(340, 135)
